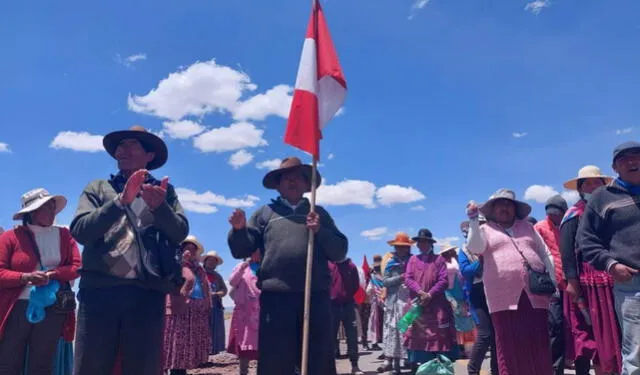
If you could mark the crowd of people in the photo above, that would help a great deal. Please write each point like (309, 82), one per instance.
(539, 296)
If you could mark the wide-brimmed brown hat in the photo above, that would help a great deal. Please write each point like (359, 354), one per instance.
(401, 239)
(148, 140)
(36, 198)
(289, 164)
(212, 254)
(585, 173)
(522, 209)
(194, 241)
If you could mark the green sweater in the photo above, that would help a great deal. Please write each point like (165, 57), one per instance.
(281, 234)
(98, 214)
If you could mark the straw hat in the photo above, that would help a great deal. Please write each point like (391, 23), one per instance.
(272, 178)
(522, 209)
(36, 198)
(587, 172)
(194, 241)
(444, 248)
(212, 254)
(148, 140)
(402, 239)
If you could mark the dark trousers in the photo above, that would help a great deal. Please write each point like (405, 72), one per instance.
(557, 336)
(485, 336)
(380, 327)
(121, 318)
(345, 313)
(365, 313)
(40, 339)
(280, 336)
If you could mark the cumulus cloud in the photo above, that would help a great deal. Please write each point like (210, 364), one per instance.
(240, 158)
(375, 233)
(4, 147)
(393, 194)
(519, 135)
(269, 164)
(235, 137)
(347, 192)
(537, 6)
(77, 141)
(624, 131)
(276, 101)
(540, 194)
(184, 129)
(209, 202)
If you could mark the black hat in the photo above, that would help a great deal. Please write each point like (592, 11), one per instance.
(148, 140)
(625, 147)
(558, 202)
(424, 234)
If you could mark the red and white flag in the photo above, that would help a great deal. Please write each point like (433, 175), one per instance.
(320, 87)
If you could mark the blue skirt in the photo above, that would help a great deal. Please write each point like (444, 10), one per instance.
(217, 330)
(62, 361)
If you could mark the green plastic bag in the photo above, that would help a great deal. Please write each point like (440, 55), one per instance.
(438, 366)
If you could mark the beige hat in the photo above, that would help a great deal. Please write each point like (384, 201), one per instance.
(586, 172)
(522, 209)
(36, 198)
(194, 241)
(213, 254)
(444, 248)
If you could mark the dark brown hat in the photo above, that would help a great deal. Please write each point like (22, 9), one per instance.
(289, 164)
(148, 140)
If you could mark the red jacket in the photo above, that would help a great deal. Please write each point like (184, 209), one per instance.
(551, 236)
(344, 281)
(17, 257)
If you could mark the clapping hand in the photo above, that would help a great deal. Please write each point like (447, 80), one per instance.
(154, 195)
(133, 186)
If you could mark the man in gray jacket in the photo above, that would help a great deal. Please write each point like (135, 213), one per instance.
(281, 231)
(130, 227)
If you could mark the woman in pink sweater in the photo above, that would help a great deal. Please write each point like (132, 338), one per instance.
(520, 317)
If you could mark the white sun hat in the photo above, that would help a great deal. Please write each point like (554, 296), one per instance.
(34, 199)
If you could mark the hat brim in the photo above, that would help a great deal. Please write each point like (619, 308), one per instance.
(199, 247)
(220, 260)
(418, 238)
(573, 183)
(151, 142)
(440, 251)
(522, 209)
(271, 179)
(399, 243)
(61, 203)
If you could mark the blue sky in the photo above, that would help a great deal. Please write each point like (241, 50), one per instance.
(447, 101)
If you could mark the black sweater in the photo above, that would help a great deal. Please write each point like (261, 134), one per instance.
(570, 258)
(609, 228)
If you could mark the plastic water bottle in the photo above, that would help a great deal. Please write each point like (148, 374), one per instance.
(414, 313)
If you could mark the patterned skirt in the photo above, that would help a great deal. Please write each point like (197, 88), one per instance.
(187, 337)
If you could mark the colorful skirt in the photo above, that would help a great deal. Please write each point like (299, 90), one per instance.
(187, 337)
(597, 288)
(216, 321)
(522, 340)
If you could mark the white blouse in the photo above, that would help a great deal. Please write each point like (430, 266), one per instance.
(48, 241)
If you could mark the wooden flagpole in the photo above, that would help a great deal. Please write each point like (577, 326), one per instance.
(307, 283)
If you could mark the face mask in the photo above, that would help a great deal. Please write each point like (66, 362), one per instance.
(586, 196)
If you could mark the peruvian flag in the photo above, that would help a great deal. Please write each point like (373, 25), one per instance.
(320, 87)
(366, 269)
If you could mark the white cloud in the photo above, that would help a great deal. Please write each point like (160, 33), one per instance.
(347, 192)
(199, 89)
(4, 147)
(520, 135)
(129, 60)
(418, 208)
(375, 233)
(184, 129)
(77, 141)
(331, 156)
(208, 202)
(537, 6)
(393, 194)
(416, 7)
(240, 158)
(447, 240)
(276, 101)
(540, 194)
(269, 164)
(624, 131)
(235, 137)
(341, 111)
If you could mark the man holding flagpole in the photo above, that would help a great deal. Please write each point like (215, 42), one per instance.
(281, 231)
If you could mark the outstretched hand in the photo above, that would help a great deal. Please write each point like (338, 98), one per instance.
(472, 210)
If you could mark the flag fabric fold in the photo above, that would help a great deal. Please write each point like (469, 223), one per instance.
(320, 87)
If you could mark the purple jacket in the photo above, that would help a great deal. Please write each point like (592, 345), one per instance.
(344, 281)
